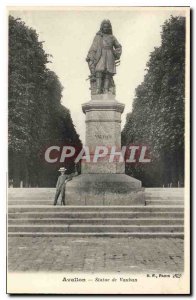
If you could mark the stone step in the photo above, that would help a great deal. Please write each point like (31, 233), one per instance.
(163, 196)
(98, 214)
(100, 221)
(52, 189)
(31, 193)
(47, 196)
(93, 209)
(166, 189)
(164, 192)
(95, 228)
(50, 200)
(169, 198)
(99, 234)
(22, 202)
(31, 213)
(33, 197)
(48, 193)
(165, 202)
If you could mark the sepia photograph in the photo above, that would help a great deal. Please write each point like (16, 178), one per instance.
(98, 187)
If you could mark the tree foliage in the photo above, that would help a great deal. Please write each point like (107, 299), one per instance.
(157, 117)
(36, 116)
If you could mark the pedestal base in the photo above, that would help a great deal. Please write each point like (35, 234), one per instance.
(104, 189)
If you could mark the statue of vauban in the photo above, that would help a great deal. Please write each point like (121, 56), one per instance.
(102, 58)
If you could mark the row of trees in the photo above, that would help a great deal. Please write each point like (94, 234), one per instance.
(157, 117)
(37, 118)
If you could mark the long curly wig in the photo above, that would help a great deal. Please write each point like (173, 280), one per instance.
(100, 32)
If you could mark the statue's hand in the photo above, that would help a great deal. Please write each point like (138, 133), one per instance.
(117, 54)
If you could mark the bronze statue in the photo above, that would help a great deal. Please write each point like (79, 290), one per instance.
(102, 58)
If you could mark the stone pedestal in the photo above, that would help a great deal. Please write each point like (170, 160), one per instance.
(103, 128)
(103, 182)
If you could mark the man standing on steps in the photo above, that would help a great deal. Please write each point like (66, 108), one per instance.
(61, 184)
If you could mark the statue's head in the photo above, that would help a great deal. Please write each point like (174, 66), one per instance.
(106, 27)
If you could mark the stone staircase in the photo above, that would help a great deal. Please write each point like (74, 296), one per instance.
(31, 213)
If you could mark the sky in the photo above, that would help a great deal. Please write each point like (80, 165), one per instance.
(68, 34)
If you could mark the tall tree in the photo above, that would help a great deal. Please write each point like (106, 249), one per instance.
(36, 116)
(157, 117)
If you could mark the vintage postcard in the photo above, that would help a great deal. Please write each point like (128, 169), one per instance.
(98, 140)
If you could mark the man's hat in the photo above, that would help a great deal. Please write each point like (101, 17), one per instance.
(62, 169)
